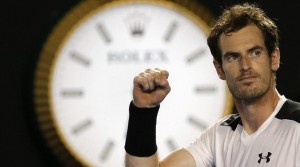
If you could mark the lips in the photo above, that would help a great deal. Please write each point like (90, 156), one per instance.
(245, 78)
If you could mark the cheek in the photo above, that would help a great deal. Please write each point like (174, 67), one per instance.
(230, 72)
(266, 70)
(268, 73)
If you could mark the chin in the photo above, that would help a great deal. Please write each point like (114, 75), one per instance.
(251, 94)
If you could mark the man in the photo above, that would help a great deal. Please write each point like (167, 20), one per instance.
(266, 130)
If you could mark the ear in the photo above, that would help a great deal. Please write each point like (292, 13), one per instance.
(219, 69)
(275, 60)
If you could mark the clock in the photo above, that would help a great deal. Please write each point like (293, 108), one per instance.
(84, 77)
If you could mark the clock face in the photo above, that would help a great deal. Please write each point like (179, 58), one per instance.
(92, 71)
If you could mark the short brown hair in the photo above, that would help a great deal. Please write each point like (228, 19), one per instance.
(238, 16)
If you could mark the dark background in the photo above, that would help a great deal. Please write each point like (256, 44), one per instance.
(24, 28)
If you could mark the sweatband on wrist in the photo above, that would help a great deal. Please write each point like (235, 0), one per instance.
(141, 132)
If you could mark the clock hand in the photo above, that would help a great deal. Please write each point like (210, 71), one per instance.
(197, 123)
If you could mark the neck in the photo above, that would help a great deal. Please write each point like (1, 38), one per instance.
(254, 113)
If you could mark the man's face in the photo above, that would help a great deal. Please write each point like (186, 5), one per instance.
(246, 65)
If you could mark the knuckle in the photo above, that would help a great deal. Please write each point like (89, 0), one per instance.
(165, 73)
(148, 70)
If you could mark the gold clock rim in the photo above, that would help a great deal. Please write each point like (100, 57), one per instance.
(56, 40)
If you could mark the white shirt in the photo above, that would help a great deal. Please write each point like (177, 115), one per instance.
(275, 144)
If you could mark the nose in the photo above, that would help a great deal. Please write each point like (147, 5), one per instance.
(245, 63)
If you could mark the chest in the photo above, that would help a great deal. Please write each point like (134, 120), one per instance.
(275, 146)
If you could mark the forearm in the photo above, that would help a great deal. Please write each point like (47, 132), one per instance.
(133, 161)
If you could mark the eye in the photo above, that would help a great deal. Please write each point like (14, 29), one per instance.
(256, 53)
(231, 57)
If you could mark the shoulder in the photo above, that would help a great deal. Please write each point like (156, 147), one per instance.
(290, 110)
(231, 120)
(223, 125)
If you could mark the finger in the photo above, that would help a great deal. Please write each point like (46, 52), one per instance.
(145, 81)
(141, 82)
(150, 79)
(164, 74)
(160, 76)
(156, 76)
(155, 73)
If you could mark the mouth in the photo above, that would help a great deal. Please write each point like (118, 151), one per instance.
(247, 78)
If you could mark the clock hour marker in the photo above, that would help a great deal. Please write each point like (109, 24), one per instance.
(106, 150)
(171, 31)
(81, 126)
(195, 55)
(82, 60)
(197, 123)
(171, 144)
(103, 33)
(72, 93)
(205, 89)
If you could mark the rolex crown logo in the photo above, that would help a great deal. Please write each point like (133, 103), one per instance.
(137, 29)
(137, 22)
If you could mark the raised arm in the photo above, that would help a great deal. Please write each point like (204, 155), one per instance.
(150, 89)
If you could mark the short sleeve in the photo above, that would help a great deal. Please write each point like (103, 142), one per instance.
(202, 149)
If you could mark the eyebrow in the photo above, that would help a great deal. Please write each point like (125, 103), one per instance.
(257, 47)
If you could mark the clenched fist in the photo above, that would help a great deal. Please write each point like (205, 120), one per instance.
(150, 88)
